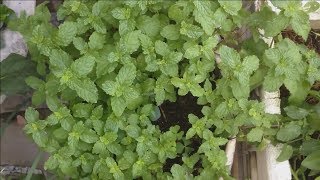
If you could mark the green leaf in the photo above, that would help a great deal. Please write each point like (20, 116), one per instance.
(127, 161)
(127, 74)
(190, 133)
(67, 123)
(271, 82)
(34, 82)
(220, 17)
(289, 132)
(121, 13)
(160, 95)
(31, 115)
(118, 105)
(130, 42)
(300, 24)
(208, 46)
(190, 30)
(170, 69)
(138, 168)
(99, 147)
(286, 153)
(312, 161)
(131, 95)
(312, 6)
(133, 131)
(229, 56)
(38, 97)
(67, 31)
(196, 90)
(98, 126)
(155, 114)
(231, 7)
(178, 172)
(177, 82)
(115, 148)
(191, 161)
(174, 57)
(96, 40)
(14, 69)
(161, 48)
(179, 11)
(60, 59)
(97, 113)
(295, 112)
(40, 138)
(275, 25)
(60, 133)
(5, 13)
(171, 32)
(126, 26)
(149, 25)
(82, 110)
(250, 64)
(192, 52)
(80, 44)
(86, 89)
(310, 146)
(84, 65)
(89, 136)
(53, 103)
(110, 87)
(286, 4)
(51, 163)
(204, 15)
(255, 135)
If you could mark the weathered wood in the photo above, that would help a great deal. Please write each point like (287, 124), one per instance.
(253, 166)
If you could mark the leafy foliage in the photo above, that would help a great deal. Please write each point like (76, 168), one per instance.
(14, 69)
(5, 14)
(112, 63)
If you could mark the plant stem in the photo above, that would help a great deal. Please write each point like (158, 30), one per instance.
(294, 174)
(295, 140)
(34, 165)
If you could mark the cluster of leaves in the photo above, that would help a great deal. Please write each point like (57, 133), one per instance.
(5, 14)
(110, 64)
(13, 72)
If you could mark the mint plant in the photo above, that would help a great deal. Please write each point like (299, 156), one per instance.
(109, 66)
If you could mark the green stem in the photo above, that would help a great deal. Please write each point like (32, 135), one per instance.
(289, 142)
(294, 174)
(34, 165)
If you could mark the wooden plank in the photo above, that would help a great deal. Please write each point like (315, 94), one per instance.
(253, 165)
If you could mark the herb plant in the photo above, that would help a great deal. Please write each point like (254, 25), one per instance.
(109, 65)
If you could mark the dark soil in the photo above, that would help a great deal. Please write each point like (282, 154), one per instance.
(313, 41)
(176, 113)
